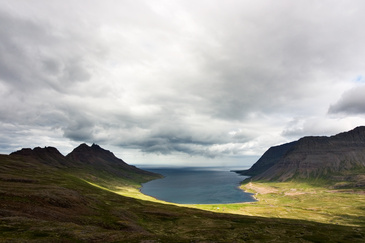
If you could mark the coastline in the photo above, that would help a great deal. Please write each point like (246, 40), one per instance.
(197, 187)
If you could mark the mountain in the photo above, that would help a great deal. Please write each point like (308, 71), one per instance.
(103, 160)
(46, 155)
(339, 157)
(90, 160)
(269, 158)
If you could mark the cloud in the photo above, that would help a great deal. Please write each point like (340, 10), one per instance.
(319, 126)
(206, 78)
(352, 102)
(35, 56)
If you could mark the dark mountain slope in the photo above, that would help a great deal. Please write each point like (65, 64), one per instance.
(46, 155)
(96, 159)
(315, 157)
(269, 158)
(86, 161)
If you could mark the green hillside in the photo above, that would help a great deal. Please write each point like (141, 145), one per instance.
(41, 202)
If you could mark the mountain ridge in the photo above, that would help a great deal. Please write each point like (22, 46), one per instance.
(47, 155)
(91, 159)
(313, 157)
(103, 160)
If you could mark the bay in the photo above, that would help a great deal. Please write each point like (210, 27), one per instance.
(196, 186)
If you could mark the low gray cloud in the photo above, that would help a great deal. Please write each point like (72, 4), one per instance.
(35, 57)
(352, 102)
(208, 78)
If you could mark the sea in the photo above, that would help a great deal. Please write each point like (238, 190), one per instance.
(197, 185)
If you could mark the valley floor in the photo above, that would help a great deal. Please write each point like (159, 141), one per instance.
(300, 201)
(289, 200)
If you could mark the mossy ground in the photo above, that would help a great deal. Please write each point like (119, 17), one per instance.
(43, 204)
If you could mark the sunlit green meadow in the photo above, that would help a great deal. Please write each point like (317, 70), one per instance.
(300, 201)
(292, 200)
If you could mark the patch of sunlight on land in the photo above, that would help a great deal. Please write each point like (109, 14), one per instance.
(130, 191)
(281, 200)
(300, 201)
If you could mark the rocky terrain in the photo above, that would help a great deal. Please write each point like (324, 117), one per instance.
(337, 158)
(86, 160)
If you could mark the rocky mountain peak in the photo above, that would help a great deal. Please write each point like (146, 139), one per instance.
(84, 157)
(37, 150)
(90, 154)
(48, 155)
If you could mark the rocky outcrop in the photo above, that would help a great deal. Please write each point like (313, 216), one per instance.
(98, 158)
(88, 159)
(312, 157)
(46, 155)
(93, 155)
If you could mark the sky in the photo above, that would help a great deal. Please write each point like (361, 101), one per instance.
(185, 82)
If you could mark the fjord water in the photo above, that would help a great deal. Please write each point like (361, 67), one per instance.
(196, 186)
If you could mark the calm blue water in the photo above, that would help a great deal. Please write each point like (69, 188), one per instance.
(196, 186)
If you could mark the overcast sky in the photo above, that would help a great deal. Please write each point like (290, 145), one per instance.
(192, 82)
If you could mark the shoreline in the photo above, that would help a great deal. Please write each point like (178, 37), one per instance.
(251, 197)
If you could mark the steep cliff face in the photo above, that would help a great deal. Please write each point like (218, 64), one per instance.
(269, 158)
(314, 157)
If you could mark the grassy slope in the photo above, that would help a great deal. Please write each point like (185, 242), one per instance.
(41, 204)
(313, 200)
(299, 200)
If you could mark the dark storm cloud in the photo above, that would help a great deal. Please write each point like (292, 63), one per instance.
(179, 140)
(79, 128)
